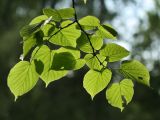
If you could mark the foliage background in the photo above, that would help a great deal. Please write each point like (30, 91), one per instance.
(138, 24)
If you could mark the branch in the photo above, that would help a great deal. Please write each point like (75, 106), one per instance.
(76, 20)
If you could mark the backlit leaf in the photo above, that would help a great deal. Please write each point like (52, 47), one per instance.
(38, 19)
(114, 52)
(84, 45)
(79, 64)
(52, 12)
(89, 21)
(95, 81)
(28, 44)
(106, 31)
(110, 29)
(66, 36)
(45, 55)
(28, 30)
(66, 13)
(47, 28)
(22, 78)
(93, 63)
(58, 15)
(120, 94)
(135, 70)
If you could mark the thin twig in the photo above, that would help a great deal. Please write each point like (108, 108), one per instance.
(87, 35)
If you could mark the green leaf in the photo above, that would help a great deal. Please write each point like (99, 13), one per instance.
(106, 31)
(22, 78)
(28, 44)
(52, 12)
(89, 21)
(79, 63)
(93, 63)
(45, 55)
(66, 13)
(110, 29)
(29, 30)
(120, 94)
(47, 28)
(58, 15)
(57, 62)
(66, 36)
(63, 61)
(73, 51)
(135, 70)
(114, 52)
(96, 81)
(38, 19)
(84, 45)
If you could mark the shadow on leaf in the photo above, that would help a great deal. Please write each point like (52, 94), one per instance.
(63, 61)
(39, 66)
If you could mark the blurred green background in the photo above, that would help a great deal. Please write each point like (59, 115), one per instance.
(138, 24)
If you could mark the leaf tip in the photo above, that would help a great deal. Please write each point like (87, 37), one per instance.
(122, 108)
(92, 97)
(15, 98)
(46, 85)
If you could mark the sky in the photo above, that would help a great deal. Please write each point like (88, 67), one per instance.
(129, 15)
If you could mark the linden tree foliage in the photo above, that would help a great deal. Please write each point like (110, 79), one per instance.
(77, 43)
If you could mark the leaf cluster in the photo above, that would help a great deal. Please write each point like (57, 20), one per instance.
(74, 37)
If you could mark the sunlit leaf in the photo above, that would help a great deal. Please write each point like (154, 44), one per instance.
(47, 28)
(66, 36)
(96, 81)
(66, 13)
(63, 61)
(30, 42)
(73, 51)
(106, 31)
(52, 12)
(114, 52)
(120, 94)
(38, 19)
(57, 62)
(29, 30)
(28, 45)
(89, 21)
(84, 45)
(45, 55)
(110, 29)
(93, 63)
(22, 78)
(135, 70)
(58, 15)
(79, 64)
